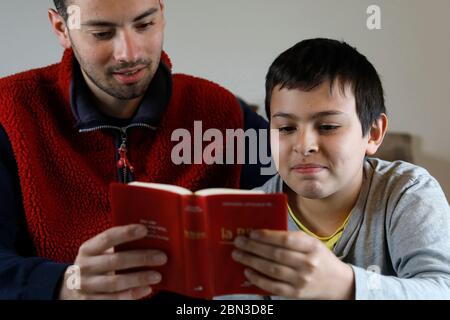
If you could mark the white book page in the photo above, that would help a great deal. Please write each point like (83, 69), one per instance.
(216, 191)
(161, 186)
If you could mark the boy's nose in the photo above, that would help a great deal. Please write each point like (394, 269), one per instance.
(306, 143)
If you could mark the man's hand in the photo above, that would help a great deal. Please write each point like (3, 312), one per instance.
(97, 265)
(294, 265)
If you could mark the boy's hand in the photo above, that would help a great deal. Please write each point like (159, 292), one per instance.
(97, 265)
(294, 265)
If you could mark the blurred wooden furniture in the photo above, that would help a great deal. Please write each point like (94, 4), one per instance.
(396, 146)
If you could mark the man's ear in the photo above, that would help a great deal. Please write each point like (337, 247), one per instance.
(59, 28)
(162, 6)
(376, 134)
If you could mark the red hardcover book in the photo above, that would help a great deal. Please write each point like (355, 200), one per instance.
(196, 231)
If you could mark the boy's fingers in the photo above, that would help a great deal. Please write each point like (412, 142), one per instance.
(298, 241)
(270, 285)
(288, 257)
(112, 237)
(270, 269)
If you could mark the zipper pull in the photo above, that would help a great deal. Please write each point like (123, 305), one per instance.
(123, 162)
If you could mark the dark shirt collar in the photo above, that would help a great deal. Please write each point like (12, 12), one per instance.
(150, 111)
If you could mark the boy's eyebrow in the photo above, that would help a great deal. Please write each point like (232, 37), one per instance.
(327, 113)
(284, 115)
(102, 23)
(314, 116)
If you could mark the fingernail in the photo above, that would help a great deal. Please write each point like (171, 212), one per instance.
(248, 272)
(255, 235)
(240, 241)
(160, 258)
(236, 255)
(155, 277)
(140, 231)
(146, 291)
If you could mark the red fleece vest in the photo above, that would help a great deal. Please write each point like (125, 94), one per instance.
(65, 175)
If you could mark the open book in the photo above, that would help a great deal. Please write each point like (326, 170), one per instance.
(197, 230)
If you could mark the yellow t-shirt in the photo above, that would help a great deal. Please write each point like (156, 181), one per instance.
(330, 241)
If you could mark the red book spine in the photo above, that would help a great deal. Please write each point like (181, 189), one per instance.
(198, 279)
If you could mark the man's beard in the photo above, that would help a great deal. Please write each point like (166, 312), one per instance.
(107, 83)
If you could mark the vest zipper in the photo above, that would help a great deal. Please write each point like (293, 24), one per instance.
(123, 164)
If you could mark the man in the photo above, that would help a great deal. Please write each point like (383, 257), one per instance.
(104, 114)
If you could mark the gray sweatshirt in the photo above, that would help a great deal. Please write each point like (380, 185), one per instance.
(398, 238)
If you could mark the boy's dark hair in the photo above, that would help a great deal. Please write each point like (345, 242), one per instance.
(61, 7)
(311, 62)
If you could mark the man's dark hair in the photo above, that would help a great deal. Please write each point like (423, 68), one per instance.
(61, 7)
(311, 62)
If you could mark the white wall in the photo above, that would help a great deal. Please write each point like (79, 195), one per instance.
(233, 42)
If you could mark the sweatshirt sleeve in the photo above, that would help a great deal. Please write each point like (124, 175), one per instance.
(419, 246)
(22, 276)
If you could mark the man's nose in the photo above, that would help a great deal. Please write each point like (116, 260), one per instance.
(306, 142)
(126, 48)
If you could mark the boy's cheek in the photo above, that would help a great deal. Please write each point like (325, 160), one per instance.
(282, 159)
(275, 147)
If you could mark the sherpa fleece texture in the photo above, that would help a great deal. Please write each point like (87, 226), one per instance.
(65, 175)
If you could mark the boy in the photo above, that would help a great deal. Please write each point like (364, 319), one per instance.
(359, 228)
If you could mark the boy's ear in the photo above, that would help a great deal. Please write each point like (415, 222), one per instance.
(376, 134)
(59, 28)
